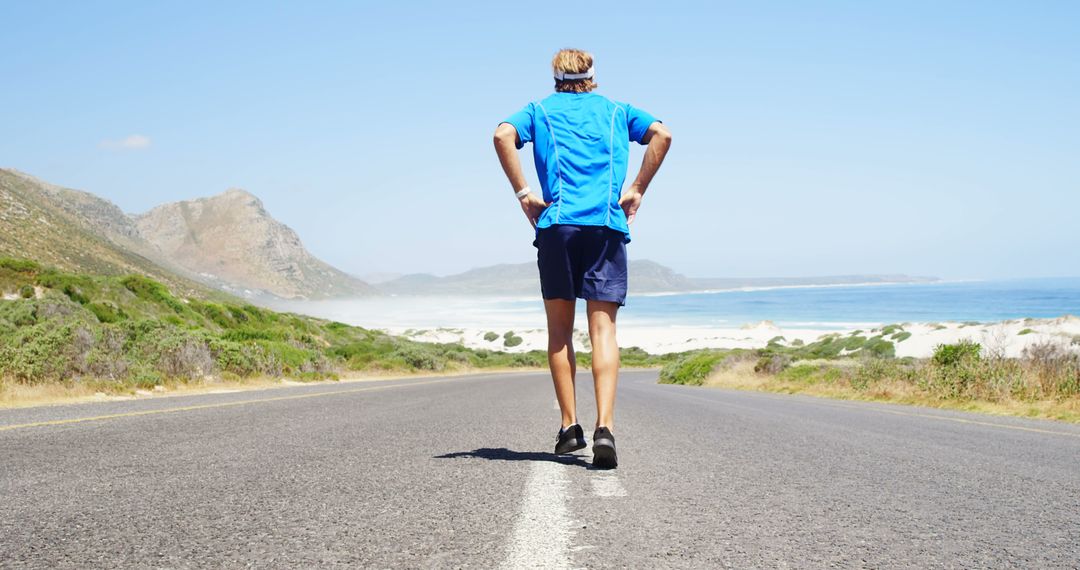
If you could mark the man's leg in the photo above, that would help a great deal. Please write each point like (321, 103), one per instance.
(605, 359)
(560, 319)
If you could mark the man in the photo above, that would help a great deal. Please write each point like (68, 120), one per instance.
(581, 217)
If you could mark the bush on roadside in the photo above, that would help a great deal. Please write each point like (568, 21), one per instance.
(771, 364)
(692, 368)
(956, 354)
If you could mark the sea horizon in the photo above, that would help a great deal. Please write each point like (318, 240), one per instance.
(802, 306)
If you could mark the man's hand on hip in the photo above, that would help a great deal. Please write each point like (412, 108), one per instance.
(629, 202)
(533, 206)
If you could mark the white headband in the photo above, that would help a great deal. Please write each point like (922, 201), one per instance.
(563, 76)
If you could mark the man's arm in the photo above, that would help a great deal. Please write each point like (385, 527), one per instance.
(506, 139)
(659, 140)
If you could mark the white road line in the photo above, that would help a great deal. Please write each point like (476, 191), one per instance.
(555, 405)
(543, 528)
(607, 485)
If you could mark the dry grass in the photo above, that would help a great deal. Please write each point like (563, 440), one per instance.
(741, 376)
(17, 395)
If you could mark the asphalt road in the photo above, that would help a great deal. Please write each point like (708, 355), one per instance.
(456, 472)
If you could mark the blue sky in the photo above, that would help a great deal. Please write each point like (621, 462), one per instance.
(929, 138)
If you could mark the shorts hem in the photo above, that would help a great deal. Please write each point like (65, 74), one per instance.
(620, 302)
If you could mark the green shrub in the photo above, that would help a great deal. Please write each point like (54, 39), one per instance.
(245, 334)
(828, 346)
(957, 368)
(692, 368)
(20, 265)
(37, 354)
(217, 314)
(879, 347)
(420, 359)
(106, 312)
(873, 370)
(1025, 331)
(634, 356)
(956, 354)
(491, 336)
(145, 377)
(238, 313)
(26, 292)
(533, 358)
(901, 336)
(75, 294)
(771, 364)
(19, 314)
(799, 373)
(241, 359)
(64, 282)
(149, 290)
(512, 341)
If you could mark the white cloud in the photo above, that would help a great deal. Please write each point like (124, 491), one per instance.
(130, 142)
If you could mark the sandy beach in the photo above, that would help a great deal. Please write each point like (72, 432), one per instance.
(1008, 338)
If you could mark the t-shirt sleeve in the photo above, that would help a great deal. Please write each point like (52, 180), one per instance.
(638, 123)
(523, 122)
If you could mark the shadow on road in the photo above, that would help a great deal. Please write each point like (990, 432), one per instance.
(503, 454)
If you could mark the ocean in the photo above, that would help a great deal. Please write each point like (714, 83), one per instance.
(829, 307)
(845, 306)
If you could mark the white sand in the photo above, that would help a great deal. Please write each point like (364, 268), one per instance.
(1000, 338)
(467, 319)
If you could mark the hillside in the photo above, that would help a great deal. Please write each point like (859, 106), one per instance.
(232, 241)
(645, 277)
(76, 231)
(118, 333)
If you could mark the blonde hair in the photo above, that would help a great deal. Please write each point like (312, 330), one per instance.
(573, 61)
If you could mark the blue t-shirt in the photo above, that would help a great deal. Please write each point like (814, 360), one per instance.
(581, 146)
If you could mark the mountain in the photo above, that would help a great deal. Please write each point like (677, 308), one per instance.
(232, 241)
(376, 278)
(523, 279)
(76, 231)
(723, 283)
(645, 277)
(228, 242)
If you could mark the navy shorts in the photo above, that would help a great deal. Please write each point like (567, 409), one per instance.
(587, 262)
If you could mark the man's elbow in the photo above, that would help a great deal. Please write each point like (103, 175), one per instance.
(505, 134)
(662, 134)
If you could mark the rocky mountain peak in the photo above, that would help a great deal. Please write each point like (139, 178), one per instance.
(232, 238)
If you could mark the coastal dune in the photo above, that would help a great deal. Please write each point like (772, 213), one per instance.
(1005, 338)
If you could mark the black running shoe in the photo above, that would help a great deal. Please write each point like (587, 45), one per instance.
(603, 449)
(569, 439)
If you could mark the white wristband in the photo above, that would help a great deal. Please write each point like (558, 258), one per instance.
(523, 192)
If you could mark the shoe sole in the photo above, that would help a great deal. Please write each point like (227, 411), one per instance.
(604, 457)
(571, 448)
